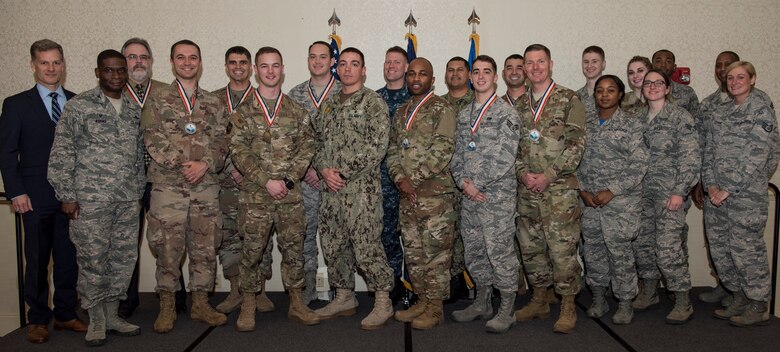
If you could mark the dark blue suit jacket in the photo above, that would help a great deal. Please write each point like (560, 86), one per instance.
(26, 137)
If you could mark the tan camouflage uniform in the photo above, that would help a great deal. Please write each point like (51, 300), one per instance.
(549, 227)
(184, 217)
(97, 161)
(422, 153)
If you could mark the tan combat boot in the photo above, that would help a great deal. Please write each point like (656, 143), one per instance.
(431, 317)
(537, 308)
(568, 317)
(737, 307)
(263, 303)
(383, 310)
(551, 299)
(233, 299)
(298, 311)
(683, 309)
(167, 315)
(413, 311)
(246, 319)
(202, 311)
(344, 305)
(755, 314)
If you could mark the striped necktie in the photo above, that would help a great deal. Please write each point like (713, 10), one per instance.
(56, 111)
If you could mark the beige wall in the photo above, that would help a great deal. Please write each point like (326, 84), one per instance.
(696, 30)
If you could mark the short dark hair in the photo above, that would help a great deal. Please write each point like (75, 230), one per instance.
(45, 45)
(397, 49)
(664, 51)
(320, 42)
(488, 59)
(459, 59)
(594, 49)
(537, 47)
(238, 49)
(109, 54)
(513, 57)
(268, 50)
(616, 79)
(355, 51)
(663, 74)
(729, 52)
(184, 42)
(139, 41)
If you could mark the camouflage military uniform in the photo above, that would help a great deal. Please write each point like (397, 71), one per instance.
(458, 260)
(261, 152)
(675, 163)
(632, 105)
(615, 159)
(587, 100)
(352, 137)
(184, 216)
(488, 228)
(311, 196)
(684, 97)
(97, 161)
(422, 154)
(741, 156)
(230, 248)
(391, 239)
(549, 226)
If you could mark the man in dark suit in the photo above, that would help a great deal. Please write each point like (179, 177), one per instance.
(27, 127)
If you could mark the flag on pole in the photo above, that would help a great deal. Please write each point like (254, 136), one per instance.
(473, 48)
(411, 46)
(335, 47)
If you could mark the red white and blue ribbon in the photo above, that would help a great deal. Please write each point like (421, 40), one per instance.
(138, 100)
(229, 99)
(413, 114)
(482, 112)
(189, 105)
(270, 115)
(318, 100)
(537, 112)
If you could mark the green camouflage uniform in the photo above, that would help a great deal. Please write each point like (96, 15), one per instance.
(230, 248)
(487, 228)
(674, 169)
(549, 226)
(422, 154)
(352, 137)
(311, 196)
(615, 159)
(741, 156)
(631, 105)
(587, 100)
(458, 260)
(97, 160)
(184, 217)
(261, 152)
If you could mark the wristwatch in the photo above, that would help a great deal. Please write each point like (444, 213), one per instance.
(288, 183)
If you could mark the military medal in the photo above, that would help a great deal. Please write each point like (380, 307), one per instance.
(270, 115)
(189, 128)
(534, 134)
(405, 143)
(411, 115)
(472, 146)
(318, 100)
(509, 100)
(229, 99)
(138, 100)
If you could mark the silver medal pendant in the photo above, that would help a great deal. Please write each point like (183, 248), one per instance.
(472, 146)
(190, 128)
(405, 143)
(534, 135)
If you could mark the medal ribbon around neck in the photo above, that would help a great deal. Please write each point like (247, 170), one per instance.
(537, 113)
(482, 112)
(270, 116)
(318, 100)
(188, 105)
(410, 117)
(135, 96)
(232, 107)
(509, 99)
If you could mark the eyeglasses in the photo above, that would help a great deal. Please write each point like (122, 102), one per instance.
(138, 57)
(658, 84)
